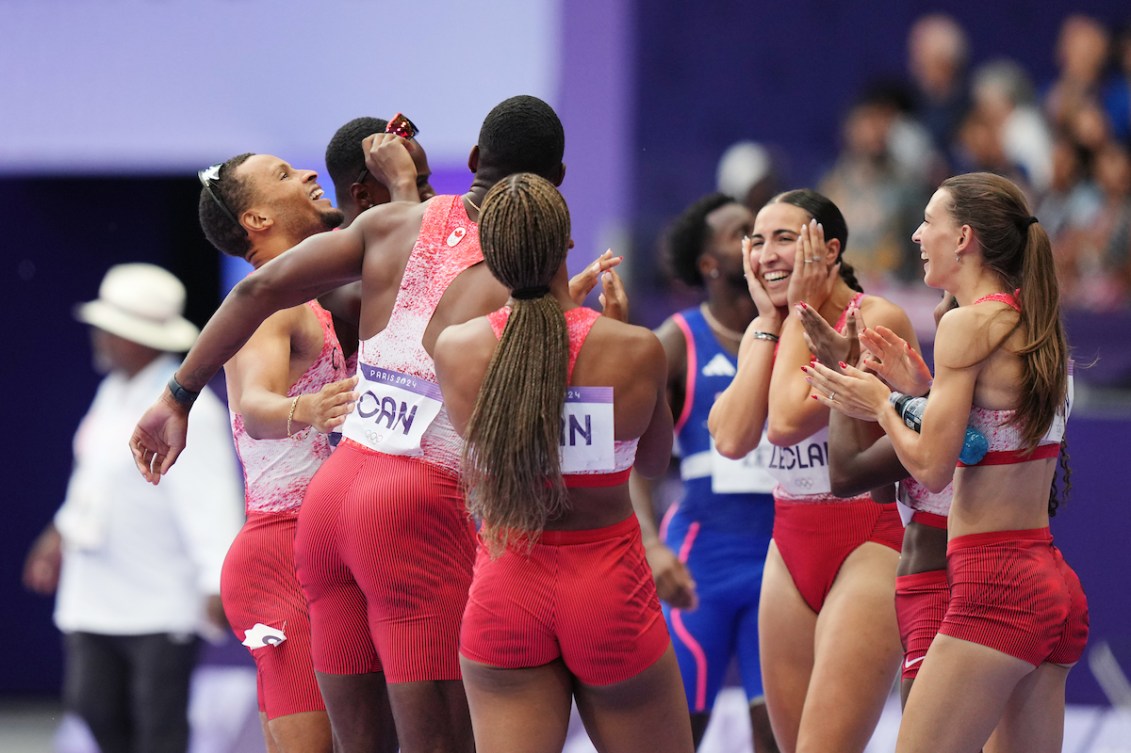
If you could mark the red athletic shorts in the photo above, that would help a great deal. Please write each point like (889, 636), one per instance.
(815, 538)
(1013, 592)
(920, 604)
(585, 596)
(385, 550)
(258, 585)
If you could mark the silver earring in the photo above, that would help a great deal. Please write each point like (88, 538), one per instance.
(714, 274)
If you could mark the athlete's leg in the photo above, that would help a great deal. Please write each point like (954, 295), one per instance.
(786, 626)
(760, 728)
(432, 716)
(519, 710)
(959, 696)
(645, 713)
(745, 649)
(857, 653)
(305, 732)
(1033, 720)
(358, 707)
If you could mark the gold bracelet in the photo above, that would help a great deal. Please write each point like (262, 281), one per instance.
(767, 336)
(291, 415)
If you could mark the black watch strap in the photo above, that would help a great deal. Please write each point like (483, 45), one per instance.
(183, 396)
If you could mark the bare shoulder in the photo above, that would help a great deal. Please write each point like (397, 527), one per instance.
(671, 336)
(458, 336)
(460, 345)
(969, 334)
(389, 230)
(877, 310)
(637, 347)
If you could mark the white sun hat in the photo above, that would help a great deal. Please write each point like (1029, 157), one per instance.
(142, 303)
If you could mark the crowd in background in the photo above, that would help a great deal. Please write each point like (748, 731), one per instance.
(1066, 141)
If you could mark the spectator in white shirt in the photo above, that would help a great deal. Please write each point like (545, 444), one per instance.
(137, 567)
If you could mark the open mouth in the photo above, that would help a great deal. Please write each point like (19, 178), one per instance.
(317, 193)
(775, 276)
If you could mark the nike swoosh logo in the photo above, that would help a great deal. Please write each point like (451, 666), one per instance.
(909, 663)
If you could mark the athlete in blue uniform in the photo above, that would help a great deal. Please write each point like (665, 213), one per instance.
(707, 556)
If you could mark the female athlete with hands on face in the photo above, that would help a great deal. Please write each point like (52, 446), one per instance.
(827, 629)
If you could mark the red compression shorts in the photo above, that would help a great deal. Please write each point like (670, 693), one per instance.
(920, 604)
(585, 596)
(1013, 592)
(385, 550)
(258, 585)
(815, 538)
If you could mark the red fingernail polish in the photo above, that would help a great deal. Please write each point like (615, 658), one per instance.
(803, 304)
(805, 369)
(813, 396)
(842, 364)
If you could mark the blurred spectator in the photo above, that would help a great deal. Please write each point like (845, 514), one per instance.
(749, 173)
(1117, 93)
(878, 181)
(137, 567)
(1082, 51)
(980, 148)
(1072, 200)
(1003, 96)
(1096, 257)
(937, 59)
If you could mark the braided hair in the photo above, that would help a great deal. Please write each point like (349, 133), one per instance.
(511, 460)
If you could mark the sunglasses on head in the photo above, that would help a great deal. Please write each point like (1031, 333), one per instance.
(209, 176)
(401, 126)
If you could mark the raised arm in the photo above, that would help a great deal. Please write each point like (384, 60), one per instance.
(318, 264)
(795, 416)
(739, 412)
(929, 456)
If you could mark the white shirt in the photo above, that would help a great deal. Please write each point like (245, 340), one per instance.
(139, 558)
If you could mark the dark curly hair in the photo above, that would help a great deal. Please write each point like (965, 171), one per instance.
(220, 230)
(687, 237)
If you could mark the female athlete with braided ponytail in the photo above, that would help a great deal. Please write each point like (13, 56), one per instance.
(557, 404)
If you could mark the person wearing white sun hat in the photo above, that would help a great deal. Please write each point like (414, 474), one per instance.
(142, 303)
(137, 567)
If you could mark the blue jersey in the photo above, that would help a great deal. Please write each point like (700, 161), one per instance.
(729, 495)
(720, 530)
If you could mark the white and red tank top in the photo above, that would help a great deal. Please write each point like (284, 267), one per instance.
(277, 471)
(400, 410)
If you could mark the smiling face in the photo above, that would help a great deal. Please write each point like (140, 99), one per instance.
(775, 243)
(937, 238)
(291, 198)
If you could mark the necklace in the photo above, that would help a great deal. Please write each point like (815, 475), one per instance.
(718, 326)
(472, 203)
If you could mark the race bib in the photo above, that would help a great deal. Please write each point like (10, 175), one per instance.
(393, 410)
(587, 430)
(802, 469)
(747, 475)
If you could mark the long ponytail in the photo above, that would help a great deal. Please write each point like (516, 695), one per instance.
(511, 463)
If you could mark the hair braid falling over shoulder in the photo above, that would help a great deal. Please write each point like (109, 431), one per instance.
(511, 460)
